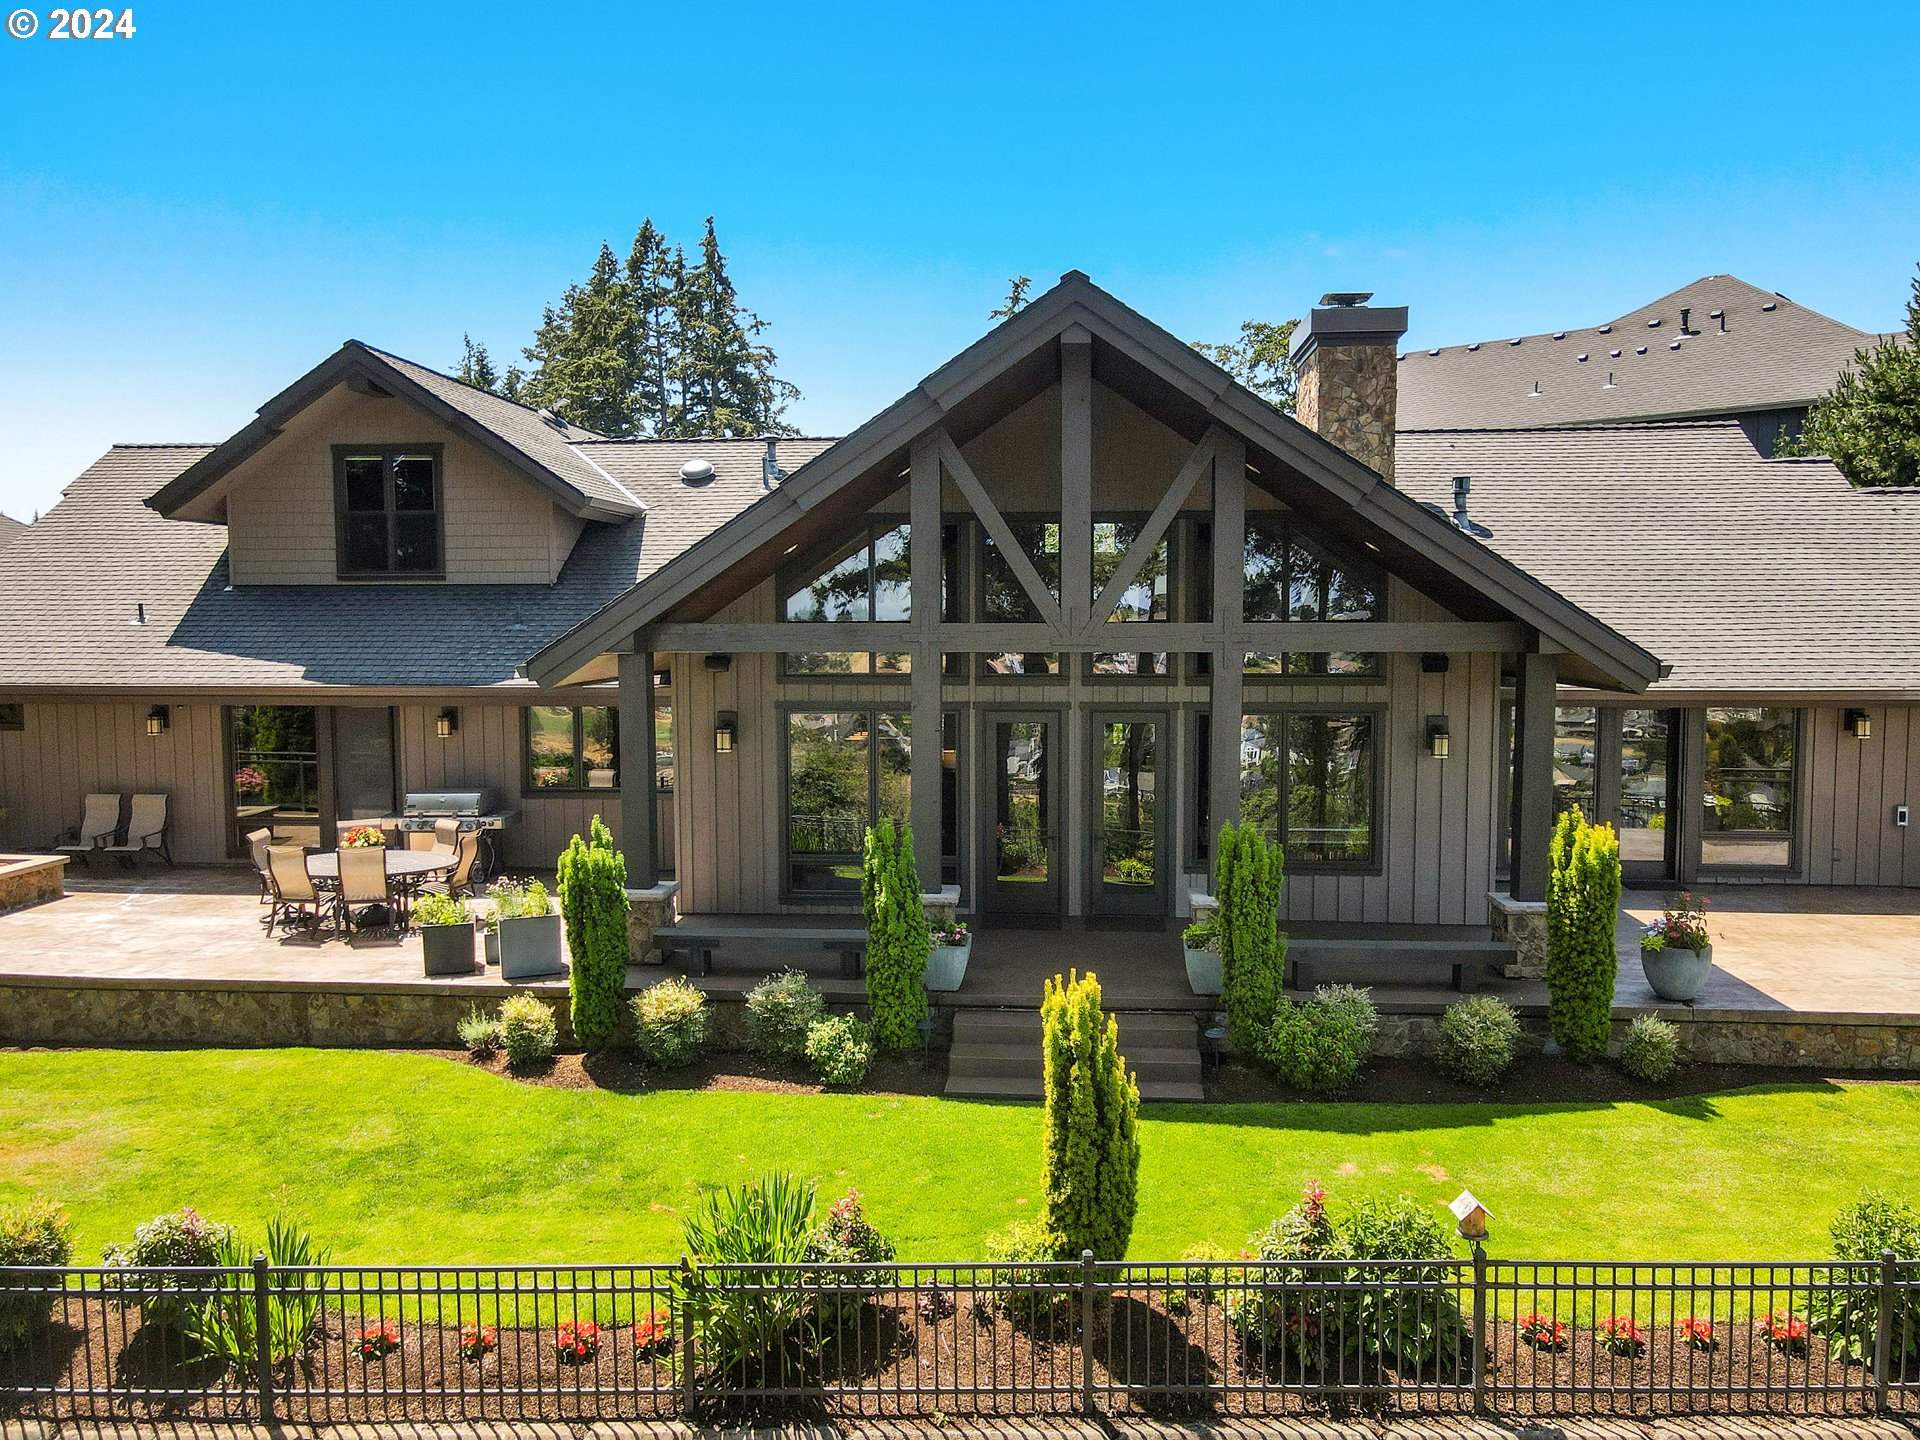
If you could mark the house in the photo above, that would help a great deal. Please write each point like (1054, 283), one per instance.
(1031, 607)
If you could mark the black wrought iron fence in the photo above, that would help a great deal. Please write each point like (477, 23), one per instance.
(427, 1343)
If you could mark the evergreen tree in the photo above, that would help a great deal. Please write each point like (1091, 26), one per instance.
(593, 905)
(1091, 1152)
(477, 367)
(1247, 877)
(724, 373)
(585, 353)
(898, 941)
(1262, 360)
(1869, 423)
(1583, 906)
(653, 275)
(1016, 300)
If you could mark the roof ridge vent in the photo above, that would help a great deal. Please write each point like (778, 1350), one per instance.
(697, 473)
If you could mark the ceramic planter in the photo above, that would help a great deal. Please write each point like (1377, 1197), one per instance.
(530, 947)
(947, 966)
(493, 946)
(448, 948)
(1203, 971)
(1676, 974)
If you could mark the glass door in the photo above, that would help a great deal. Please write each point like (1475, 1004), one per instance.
(1644, 811)
(276, 773)
(1022, 841)
(1128, 855)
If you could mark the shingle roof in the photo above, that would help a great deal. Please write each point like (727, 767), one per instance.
(1771, 354)
(1741, 573)
(10, 530)
(71, 585)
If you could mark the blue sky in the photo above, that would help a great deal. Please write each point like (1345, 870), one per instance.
(192, 217)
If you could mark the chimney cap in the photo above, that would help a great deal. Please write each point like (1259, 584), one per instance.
(1349, 323)
(1346, 299)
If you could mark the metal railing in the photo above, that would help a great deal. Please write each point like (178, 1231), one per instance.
(558, 1342)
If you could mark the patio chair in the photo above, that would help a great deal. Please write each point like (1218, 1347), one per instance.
(364, 882)
(446, 835)
(294, 894)
(465, 853)
(146, 832)
(99, 823)
(258, 843)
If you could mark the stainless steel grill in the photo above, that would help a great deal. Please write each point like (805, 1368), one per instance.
(421, 810)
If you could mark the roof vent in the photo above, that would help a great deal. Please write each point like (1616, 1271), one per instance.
(1614, 353)
(1721, 316)
(1674, 346)
(552, 419)
(1654, 324)
(1474, 346)
(1686, 320)
(1610, 385)
(1513, 342)
(1559, 334)
(1639, 349)
(1536, 387)
(1581, 357)
(1770, 306)
(770, 472)
(1346, 299)
(1434, 351)
(697, 473)
(140, 612)
(1606, 329)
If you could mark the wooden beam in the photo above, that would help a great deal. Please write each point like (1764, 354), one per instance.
(1227, 676)
(1534, 694)
(1138, 553)
(1385, 637)
(1003, 538)
(1076, 476)
(924, 760)
(923, 515)
(638, 837)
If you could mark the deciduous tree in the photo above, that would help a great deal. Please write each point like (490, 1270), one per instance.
(1869, 423)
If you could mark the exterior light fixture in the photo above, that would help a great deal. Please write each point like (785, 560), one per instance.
(159, 721)
(1437, 736)
(1859, 724)
(447, 723)
(1470, 1217)
(726, 730)
(662, 677)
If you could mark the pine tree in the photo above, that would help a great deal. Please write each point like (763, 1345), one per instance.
(1869, 423)
(476, 366)
(724, 373)
(1090, 1159)
(1016, 300)
(653, 275)
(585, 353)
(1583, 907)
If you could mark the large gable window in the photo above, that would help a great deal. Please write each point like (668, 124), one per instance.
(1291, 576)
(867, 579)
(387, 511)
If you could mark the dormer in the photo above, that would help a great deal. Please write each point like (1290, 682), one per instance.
(370, 469)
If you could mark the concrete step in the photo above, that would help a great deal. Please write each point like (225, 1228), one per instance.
(1169, 1062)
(996, 1054)
(1025, 1088)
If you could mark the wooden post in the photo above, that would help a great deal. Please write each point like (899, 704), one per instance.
(1686, 753)
(924, 583)
(1229, 610)
(1534, 693)
(1076, 478)
(637, 838)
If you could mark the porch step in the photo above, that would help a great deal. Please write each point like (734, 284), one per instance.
(996, 1054)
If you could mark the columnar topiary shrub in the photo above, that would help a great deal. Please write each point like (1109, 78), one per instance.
(1583, 905)
(898, 942)
(593, 903)
(1091, 1156)
(1247, 875)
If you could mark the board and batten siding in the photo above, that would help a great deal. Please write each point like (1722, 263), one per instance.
(69, 749)
(1851, 788)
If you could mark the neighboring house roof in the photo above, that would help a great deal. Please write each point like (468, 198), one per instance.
(1139, 348)
(546, 452)
(1742, 573)
(72, 586)
(10, 530)
(1748, 350)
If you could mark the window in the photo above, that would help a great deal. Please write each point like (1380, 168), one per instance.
(663, 747)
(1145, 599)
(845, 770)
(572, 747)
(1576, 746)
(1307, 779)
(387, 511)
(1004, 599)
(866, 580)
(1293, 577)
(1750, 780)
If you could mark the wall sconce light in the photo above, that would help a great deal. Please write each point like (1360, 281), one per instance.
(1860, 724)
(663, 677)
(159, 721)
(720, 662)
(726, 729)
(447, 724)
(1433, 663)
(1437, 736)
(1470, 1217)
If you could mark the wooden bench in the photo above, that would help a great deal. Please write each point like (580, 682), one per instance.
(701, 938)
(1464, 962)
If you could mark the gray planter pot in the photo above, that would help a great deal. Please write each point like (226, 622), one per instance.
(530, 947)
(1676, 974)
(947, 966)
(493, 946)
(1203, 971)
(448, 948)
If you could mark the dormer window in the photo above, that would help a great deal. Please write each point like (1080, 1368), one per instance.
(387, 520)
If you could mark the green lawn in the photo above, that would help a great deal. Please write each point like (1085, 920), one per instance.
(410, 1158)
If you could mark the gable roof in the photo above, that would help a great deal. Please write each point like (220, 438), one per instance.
(71, 587)
(1749, 349)
(10, 530)
(544, 452)
(1745, 574)
(1135, 348)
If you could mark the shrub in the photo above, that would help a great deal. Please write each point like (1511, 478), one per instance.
(1583, 906)
(738, 1322)
(529, 1033)
(1281, 1319)
(36, 1232)
(1202, 1276)
(1317, 1046)
(1024, 1281)
(224, 1325)
(1090, 1156)
(840, 1049)
(847, 1237)
(183, 1238)
(433, 908)
(519, 899)
(1247, 875)
(593, 902)
(898, 941)
(1847, 1316)
(780, 1009)
(1203, 934)
(671, 1023)
(1651, 1050)
(480, 1033)
(1356, 1001)
(1478, 1038)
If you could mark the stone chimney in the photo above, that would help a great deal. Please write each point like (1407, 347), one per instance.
(1348, 383)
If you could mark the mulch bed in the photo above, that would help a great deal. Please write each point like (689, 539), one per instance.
(624, 1072)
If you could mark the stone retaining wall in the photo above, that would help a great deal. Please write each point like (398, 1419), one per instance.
(29, 879)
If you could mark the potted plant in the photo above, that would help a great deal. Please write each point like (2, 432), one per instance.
(952, 946)
(1201, 943)
(363, 837)
(1675, 952)
(446, 933)
(529, 929)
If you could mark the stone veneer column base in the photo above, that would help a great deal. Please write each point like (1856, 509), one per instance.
(1522, 924)
(647, 911)
(943, 908)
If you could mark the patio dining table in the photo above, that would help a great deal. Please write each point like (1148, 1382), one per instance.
(407, 869)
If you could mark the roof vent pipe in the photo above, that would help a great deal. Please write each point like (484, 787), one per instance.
(770, 472)
(1686, 320)
(1462, 486)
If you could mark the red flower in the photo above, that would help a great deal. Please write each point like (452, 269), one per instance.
(379, 1341)
(1622, 1337)
(1697, 1333)
(476, 1341)
(1543, 1332)
(578, 1340)
(1785, 1330)
(652, 1334)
